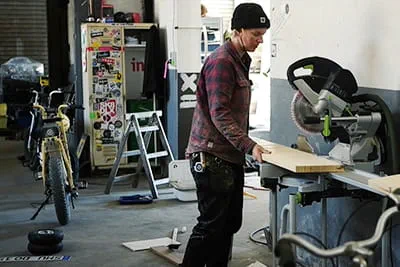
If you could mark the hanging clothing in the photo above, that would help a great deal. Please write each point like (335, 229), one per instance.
(152, 80)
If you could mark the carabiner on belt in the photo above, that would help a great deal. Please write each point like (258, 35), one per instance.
(200, 166)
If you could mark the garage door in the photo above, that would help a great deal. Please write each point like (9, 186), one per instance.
(23, 30)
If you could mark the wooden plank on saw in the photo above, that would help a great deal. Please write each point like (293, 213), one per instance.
(385, 184)
(297, 161)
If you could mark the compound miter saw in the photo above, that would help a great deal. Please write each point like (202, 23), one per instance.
(360, 125)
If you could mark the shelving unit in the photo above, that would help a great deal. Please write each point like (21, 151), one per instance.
(135, 45)
(212, 35)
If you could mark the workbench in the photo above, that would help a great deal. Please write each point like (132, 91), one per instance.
(287, 167)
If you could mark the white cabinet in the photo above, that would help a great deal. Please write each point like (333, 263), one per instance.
(106, 85)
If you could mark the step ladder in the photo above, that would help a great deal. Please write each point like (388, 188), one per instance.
(154, 125)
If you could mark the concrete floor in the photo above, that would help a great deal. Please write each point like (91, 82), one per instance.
(99, 224)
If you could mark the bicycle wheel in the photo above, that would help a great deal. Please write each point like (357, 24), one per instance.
(62, 199)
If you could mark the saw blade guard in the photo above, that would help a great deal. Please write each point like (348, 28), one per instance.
(324, 90)
(320, 73)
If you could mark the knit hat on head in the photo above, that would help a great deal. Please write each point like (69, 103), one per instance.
(249, 16)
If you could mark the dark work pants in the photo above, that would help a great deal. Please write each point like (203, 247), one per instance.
(220, 202)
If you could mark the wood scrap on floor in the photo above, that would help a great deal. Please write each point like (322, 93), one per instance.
(147, 244)
(168, 254)
(297, 161)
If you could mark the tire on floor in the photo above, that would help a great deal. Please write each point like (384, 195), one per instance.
(46, 237)
(44, 249)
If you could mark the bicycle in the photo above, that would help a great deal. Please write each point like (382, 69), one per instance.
(358, 251)
(53, 157)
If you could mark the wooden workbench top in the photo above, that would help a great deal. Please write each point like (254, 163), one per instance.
(297, 161)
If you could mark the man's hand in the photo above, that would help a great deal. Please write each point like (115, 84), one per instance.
(258, 151)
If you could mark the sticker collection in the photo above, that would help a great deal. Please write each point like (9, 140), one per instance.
(107, 113)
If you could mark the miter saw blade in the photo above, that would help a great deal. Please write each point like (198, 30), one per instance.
(300, 109)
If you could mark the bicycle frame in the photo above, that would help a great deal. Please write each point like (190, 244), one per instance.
(56, 143)
(357, 250)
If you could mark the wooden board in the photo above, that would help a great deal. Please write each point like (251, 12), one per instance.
(385, 184)
(147, 244)
(297, 161)
(168, 254)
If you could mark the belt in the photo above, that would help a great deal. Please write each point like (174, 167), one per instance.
(201, 160)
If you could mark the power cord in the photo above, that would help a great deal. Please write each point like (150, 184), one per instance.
(319, 243)
(268, 237)
(268, 243)
(347, 221)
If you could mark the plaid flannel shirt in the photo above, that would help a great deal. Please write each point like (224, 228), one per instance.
(220, 119)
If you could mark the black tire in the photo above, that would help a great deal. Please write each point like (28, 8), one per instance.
(62, 199)
(45, 237)
(44, 249)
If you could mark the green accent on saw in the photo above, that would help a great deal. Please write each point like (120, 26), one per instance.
(298, 198)
(309, 67)
(327, 122)
(349, 111)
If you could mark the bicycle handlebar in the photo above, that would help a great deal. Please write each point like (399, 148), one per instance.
(58, 91)
(284, 250)
(36, 97)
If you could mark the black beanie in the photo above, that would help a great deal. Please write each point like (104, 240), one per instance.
(249, 16)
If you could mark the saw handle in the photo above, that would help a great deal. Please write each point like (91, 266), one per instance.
(309, 61)
(318, 65)
(312, 120)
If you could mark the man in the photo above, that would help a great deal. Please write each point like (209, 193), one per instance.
(219, 140)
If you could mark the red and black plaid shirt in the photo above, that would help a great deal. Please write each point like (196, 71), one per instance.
(220, 119)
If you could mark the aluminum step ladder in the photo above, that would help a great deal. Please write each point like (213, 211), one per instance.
(154, 125)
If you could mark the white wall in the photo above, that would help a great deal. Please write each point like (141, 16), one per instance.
(157, 11)
(183, 43)
(360, 35)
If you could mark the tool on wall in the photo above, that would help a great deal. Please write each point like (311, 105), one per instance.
(325, 103)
